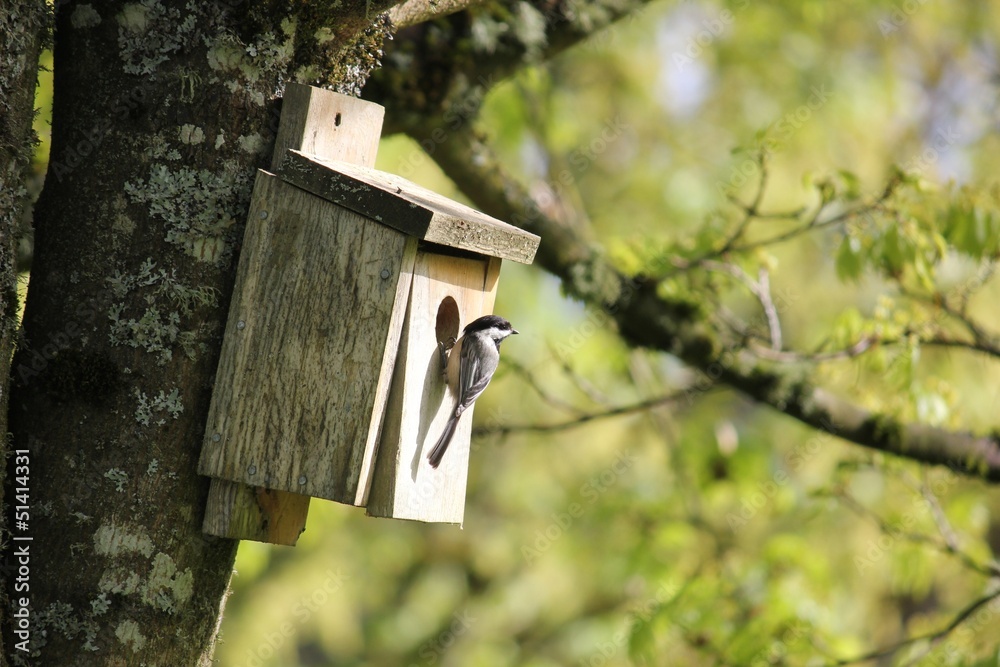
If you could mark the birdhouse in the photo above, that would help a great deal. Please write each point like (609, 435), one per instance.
(330, 378)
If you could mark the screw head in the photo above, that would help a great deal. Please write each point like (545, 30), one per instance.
(241, 324)
(252, 470)
(263, 215)
(302, 480)
(385, 274)
(216, 437)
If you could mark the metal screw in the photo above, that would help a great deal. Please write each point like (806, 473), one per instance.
(252, 469)
(241, 324)
(385, 274)
(216, 437)
(302, 480)
(263, 215)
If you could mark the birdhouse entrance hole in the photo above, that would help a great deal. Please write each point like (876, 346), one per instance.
(446, 327)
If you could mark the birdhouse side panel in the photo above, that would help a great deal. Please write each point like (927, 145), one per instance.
(301, 366)
(405, 486)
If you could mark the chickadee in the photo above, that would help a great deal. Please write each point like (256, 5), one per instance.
(470, 367)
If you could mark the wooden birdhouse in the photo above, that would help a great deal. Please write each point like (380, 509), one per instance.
(330, 381)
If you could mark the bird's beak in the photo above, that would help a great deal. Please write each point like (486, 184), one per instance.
(514, 331)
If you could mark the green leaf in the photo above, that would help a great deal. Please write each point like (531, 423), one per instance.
(961, 229)
(641, 643)
(989, 224)
(849, 262)
(971, 228)
(895, 250)
(851, 185)
(924, 271)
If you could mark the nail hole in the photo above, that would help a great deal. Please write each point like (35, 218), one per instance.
(336, 120)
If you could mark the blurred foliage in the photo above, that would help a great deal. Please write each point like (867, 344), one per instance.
(707, 530)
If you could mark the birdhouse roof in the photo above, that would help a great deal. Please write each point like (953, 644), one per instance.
(396, 202)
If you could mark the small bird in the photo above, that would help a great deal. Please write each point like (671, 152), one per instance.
(470, 367)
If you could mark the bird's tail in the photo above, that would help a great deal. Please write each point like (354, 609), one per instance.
(442, 444)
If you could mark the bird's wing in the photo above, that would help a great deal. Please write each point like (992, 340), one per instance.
(474, 376)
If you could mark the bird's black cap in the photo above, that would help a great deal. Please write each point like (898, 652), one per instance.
(487, 321)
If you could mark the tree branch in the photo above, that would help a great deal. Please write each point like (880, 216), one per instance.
(760, 288)
(631, 408)
(432, 112)
(529, 378)
(451, 68)
(789, 356)
(948, 546)
(933, 637)
(412, 12)
(681, 328)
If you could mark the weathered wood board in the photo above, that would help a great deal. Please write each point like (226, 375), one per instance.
(405, 486)
(316, 317)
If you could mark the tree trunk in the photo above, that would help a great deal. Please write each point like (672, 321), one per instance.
(160, 118)
(22, 25)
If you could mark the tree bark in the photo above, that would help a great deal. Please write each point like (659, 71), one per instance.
(23, 26)
(162, 113)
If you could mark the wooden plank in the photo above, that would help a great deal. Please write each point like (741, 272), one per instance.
(405, 486)
(336, 126)
(322, 122)
(490, 283)
(244, 512)
(390, 355)
(413, 210)
(299, 376)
